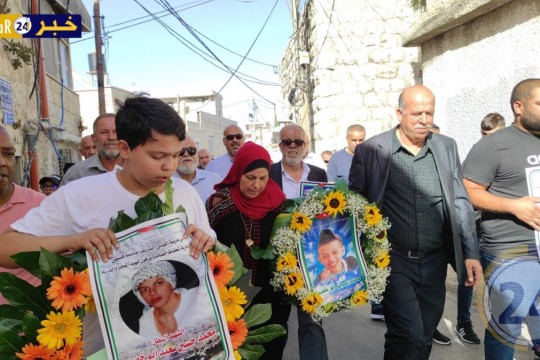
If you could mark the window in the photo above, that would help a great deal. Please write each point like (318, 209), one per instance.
(64, 64)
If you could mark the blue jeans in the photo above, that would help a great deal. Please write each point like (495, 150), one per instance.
(311, 338)
(520, 304)
(464, 300)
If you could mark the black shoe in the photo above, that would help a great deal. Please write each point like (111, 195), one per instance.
(441, 339)
(377, 312)
(466, 333)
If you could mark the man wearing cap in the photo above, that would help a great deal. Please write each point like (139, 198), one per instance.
(107, 157)
(203, 181)
(15, 200)
(49, 184)
(233, 139)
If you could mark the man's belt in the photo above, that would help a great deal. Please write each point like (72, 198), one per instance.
(413, 254)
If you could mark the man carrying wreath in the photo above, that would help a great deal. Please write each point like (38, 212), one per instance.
(414, 176)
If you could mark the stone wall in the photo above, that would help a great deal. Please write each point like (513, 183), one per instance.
(473, 59)
(357, 67)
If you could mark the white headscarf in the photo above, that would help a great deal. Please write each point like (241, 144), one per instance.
(161, 268)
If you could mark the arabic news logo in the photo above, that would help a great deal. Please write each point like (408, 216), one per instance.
(40, 26)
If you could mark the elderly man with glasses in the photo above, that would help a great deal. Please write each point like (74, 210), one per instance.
(233, 139)
(203, 181)
(288, 174)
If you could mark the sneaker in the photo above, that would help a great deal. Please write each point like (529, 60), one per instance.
(377, 312)
(441, 339)
(466, 333)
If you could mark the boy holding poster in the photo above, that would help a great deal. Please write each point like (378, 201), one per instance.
(76, 216)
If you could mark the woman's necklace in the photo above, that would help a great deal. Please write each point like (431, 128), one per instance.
(249, 241)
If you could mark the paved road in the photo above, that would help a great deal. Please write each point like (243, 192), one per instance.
(354, 335)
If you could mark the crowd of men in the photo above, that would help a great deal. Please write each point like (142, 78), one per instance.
(413, 174)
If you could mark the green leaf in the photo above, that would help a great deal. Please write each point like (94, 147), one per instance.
(79, 260)
(250, 352)
(31, 324)
(10, 343)
(266, 254)
(50, 265)
(11, 317)
(168, 206)
(282, 220)
(289, 205)
(238, 267)
(257, 314)
(148, 207)
(341, 185)
(22, 295)
(265, 334)
(28, 261)
(121, 222)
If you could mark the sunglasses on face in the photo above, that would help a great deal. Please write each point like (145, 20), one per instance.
(48, 187)
(190, 150)
(297, 142)
(231, 137)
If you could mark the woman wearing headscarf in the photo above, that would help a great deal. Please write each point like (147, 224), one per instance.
(167, 307)
(242, 213)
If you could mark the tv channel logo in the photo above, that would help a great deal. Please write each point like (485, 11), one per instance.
(17, 26)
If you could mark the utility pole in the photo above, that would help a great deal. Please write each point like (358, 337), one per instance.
(99, 59)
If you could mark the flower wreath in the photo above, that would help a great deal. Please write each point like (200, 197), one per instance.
(287, 234)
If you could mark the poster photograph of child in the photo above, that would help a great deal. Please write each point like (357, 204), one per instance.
(331, 259)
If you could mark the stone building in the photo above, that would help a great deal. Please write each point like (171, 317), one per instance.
(473, 54)
(346, 64)
(21, 111)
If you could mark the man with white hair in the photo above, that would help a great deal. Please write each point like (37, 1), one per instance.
(203, 181)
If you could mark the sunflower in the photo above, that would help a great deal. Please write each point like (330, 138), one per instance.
(293, 283)
(71, 352)
(60, 327)
(69, 291)
(373, 215)
(311, 302)
(335, 203)
(238, 331)
(35, 352)
(237, 355)
(232, 299)
(300, 222)
(382, 260)
(359, 298)
(380, 237)
(287, 261)
(221, 266)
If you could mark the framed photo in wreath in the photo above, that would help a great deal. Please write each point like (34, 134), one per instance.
(331, 259)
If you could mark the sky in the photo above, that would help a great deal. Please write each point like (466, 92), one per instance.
(146, 57)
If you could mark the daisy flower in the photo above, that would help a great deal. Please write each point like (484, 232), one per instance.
(69, 291)
(232, 299)
(237, 355)
(221, 266)
(71, 352)
(335, 203)
(238, 331)
(35, 352)
(300, 222)
(59, 328)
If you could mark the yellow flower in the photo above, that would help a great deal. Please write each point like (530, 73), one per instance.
(287, 261)
(90, 306)
(359, 298)
(293, 283)
(335, 203)
(69, 291)
(380, 237)
(311, 302)
(60, 327)
(237, 355)
(232, 299)
(300, 222)
(373, 215)
(382, 260)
